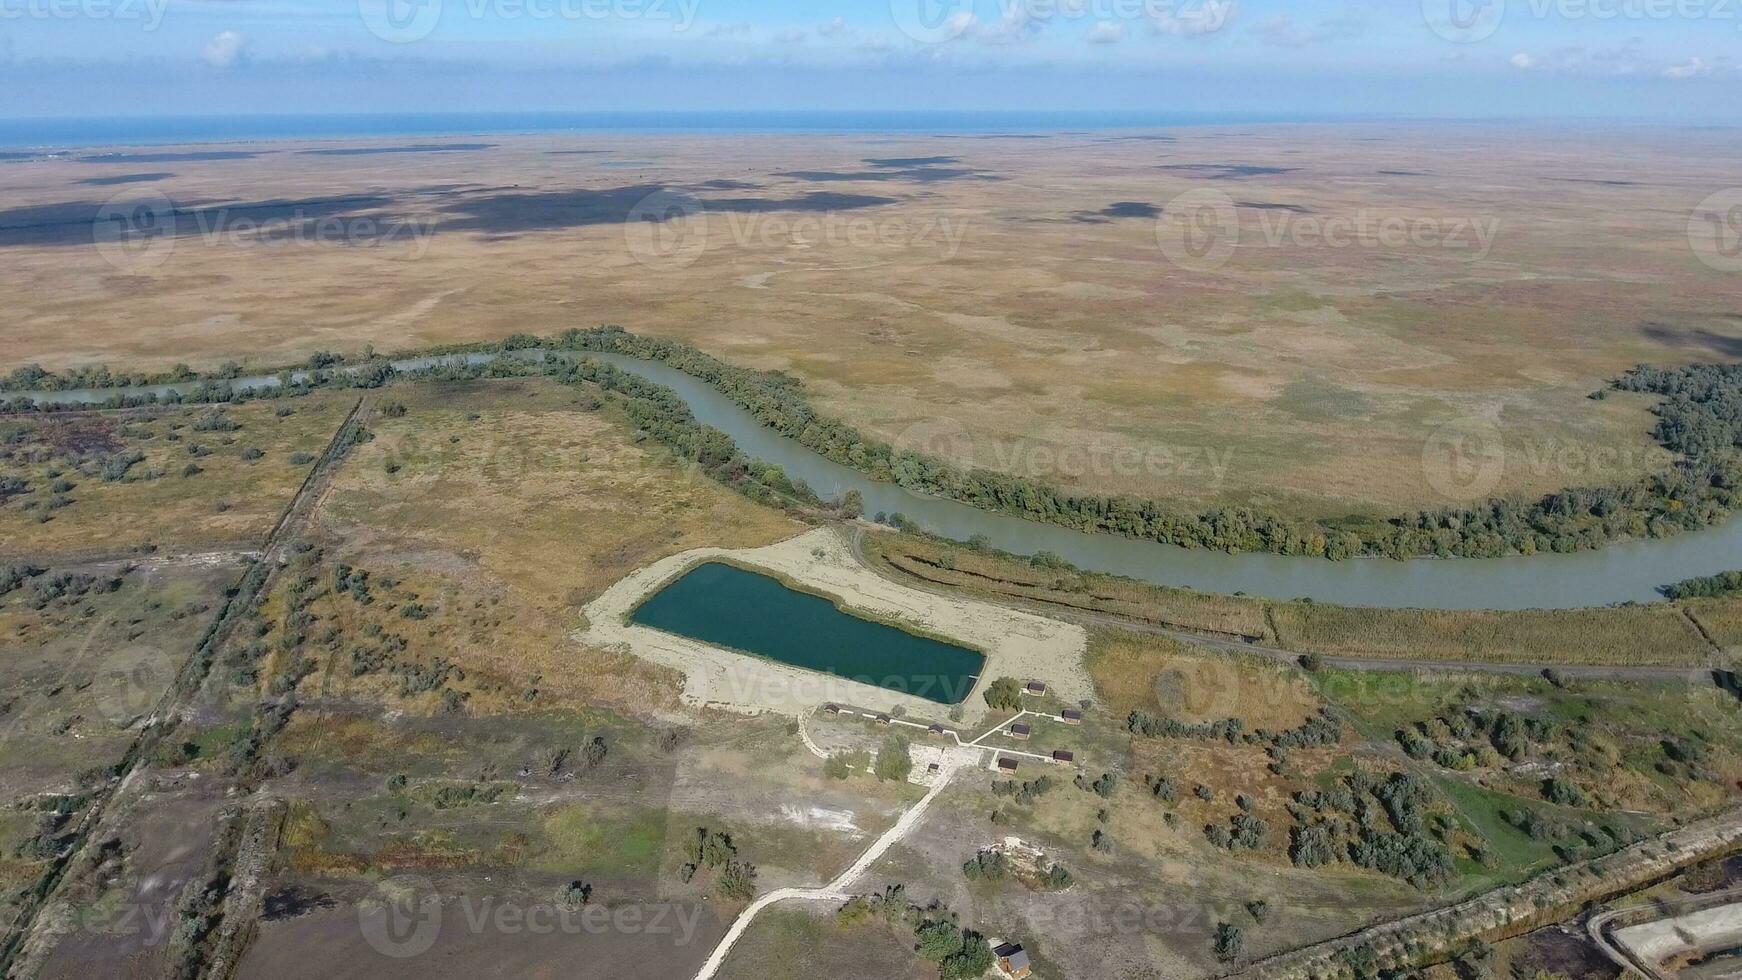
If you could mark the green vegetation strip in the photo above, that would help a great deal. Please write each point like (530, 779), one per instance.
(1700, 418)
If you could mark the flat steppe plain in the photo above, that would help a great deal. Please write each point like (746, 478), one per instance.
(1000, 300)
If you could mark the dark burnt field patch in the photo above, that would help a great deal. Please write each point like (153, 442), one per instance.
(510, 214)
(120, 179)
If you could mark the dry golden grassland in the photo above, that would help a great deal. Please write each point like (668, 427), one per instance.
(231, 501)
(1722, 618)
(1033, 333)
(1159, 675)
(1650, 635)
(518, 501)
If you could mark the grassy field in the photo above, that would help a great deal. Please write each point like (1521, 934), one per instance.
(83, 660)
(1159, 675)
(1638, 747)
(1641, 635)
(1033, 333)
(1650, 635)
(521, 500)
(196, 478)
(798, 944)
(1722, 618)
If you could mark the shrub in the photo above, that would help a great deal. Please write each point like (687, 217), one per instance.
(894, 763)
(1229, 942)
(1004, 693)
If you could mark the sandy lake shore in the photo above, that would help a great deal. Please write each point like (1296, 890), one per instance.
(1016, 644)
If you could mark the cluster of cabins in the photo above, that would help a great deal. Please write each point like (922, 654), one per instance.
(1019, 731)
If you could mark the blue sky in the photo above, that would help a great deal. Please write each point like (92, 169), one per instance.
(1628, 59)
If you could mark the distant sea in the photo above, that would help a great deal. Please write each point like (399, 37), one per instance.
(52, 134)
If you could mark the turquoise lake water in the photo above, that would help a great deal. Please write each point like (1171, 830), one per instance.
(741, 610)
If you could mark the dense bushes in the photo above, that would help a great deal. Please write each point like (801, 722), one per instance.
(1378, 824)
(1707, 587)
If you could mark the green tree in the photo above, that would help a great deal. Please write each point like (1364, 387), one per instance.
(1004, 693)
(893, 761)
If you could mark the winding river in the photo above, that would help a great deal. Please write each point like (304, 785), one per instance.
(1623, 572)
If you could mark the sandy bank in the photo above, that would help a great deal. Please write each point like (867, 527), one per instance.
(1016, 644)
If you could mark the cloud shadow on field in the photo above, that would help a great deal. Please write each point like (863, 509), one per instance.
(188, 156)
(76, 222)
(1118, 209)
(906, 163)
(1265, 206)
(1228, 171)
(919, 170)
(119, 179)
(506, 215)
(367, 151)
(1682, 338)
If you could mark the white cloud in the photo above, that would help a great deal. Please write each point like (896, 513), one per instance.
(226, 49)
(1694, 68)
(729, 30)
(1523, 61)
(834, 28)
(1106, 32)
(791, 35)
(877, 43)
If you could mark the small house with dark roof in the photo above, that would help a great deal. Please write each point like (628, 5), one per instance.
(1020, 732)
(936, 730)
(1012, 960)
(1036, 688)
(934, 769)
(831, 709)
(1063, 756)
(884, 720)
(1071, 716)
(1006, 764)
